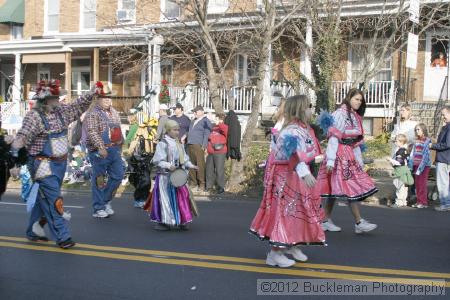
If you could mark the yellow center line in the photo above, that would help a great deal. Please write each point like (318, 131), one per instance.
(377, 271)
(212, 265)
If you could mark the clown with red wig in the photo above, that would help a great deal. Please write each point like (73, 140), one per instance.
(44, 135)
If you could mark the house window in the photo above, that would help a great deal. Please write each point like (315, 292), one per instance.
(16, 32)
(52, 9)
(170, 10)
(127, 11)
(88, 13)
(439, 52)
(359, 61)
(217, 6)
(246, 70)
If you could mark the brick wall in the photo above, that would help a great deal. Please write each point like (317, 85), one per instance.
(106, 13)
(237, 6)
(69, 18)
(148, 11)
(4, 32)
(34, 18)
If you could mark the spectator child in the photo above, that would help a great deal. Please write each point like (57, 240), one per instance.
(403, 176)
(420, 163)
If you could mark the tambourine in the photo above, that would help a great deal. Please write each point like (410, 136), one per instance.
(178, 177)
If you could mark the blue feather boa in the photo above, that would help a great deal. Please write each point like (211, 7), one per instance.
(325, 120)
(363, 147)
(290, 144)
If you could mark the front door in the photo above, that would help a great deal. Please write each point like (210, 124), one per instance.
(80, 81)
(436, 65)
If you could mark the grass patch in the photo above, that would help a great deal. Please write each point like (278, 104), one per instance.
(378, 147)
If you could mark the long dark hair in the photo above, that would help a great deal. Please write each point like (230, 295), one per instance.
(362, 109)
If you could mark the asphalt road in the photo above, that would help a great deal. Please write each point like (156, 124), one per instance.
(124, 258)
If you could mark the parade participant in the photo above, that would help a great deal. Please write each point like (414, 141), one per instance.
(342, 175)
(170, 206)
(5, 162)
(104, 142)
(420, 164)
(290, 212)
(139, 165)
(44, 134)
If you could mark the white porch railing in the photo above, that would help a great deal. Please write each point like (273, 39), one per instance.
(7, 110)
(378, 92)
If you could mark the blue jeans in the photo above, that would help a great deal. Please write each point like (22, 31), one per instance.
(442, 181)
(49, 191)
(111, 170)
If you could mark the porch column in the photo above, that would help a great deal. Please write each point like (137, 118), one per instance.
(156, 71)
(267, 91)
(96, 65)
(68, 78)
(17, 85)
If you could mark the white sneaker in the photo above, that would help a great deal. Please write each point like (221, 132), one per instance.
(297, 254)
(109, 210)
(364, 226)
(330, 226)
(38, 229)
(100, 214)
(277, 258)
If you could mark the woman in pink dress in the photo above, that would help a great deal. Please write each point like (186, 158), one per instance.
(342, 175)
(290, 212)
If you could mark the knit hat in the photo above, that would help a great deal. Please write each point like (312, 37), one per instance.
(171, 124)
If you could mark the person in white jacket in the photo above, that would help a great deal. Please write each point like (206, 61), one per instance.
(405, 126)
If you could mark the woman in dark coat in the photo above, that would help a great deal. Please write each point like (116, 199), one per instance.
(234, 136)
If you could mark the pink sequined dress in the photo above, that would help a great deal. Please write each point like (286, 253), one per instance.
(348, 180)
(290, 212)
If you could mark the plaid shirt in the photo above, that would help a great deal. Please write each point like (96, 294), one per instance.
(33, 130)
(96, 125)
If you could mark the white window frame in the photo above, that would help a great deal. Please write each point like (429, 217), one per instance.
(350, 65)
(13, 32)
(46, 17)
(218, 6)
(246, 77)
(82, 11)
(120, 6)
(163, 17)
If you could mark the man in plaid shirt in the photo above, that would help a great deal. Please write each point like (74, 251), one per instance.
(104, 141)
(44, 135)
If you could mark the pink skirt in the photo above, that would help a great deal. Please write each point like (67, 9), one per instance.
(290, 212)
(347, 180)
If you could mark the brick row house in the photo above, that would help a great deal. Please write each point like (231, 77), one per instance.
(71, 40)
